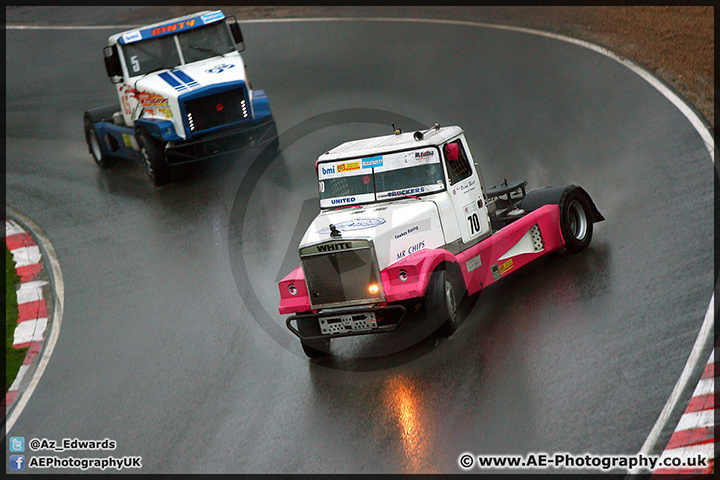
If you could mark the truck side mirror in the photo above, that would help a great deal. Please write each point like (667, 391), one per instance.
(112, 61)
(451, 152)
(237, 34)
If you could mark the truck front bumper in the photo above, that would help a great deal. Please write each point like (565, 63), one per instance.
(260, 132)
(347, 322)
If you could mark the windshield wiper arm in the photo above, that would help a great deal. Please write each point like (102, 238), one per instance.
(203, 49)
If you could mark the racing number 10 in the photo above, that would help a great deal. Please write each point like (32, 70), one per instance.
(474, 223)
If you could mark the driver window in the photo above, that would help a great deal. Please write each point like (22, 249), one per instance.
(456, 162)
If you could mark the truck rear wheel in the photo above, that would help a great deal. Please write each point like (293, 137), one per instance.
(154, 156)
(95, 147)
(576, 221)
(441, 303)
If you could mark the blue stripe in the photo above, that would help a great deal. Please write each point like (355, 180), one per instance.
(184, 77)
(170, 79)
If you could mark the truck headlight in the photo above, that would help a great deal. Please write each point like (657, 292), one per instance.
(374, 288)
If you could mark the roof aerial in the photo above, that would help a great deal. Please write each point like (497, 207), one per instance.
(435, 135)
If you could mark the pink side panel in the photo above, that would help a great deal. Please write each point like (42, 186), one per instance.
(495, 246)
(420, 265)
(293, 303)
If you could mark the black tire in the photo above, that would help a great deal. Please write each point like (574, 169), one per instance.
(153, 154)
(441, 303)
(576, 222)
(313, 348)
(95, 147)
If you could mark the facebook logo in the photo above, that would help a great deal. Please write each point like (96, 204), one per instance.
(17, 444)
(17, 462)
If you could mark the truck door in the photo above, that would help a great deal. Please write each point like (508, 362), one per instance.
(463, 185)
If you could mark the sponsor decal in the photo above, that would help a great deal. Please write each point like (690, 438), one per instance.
(132, 37)
(173, 27)
(424, 155)
(154, 104)
(469, 208)
(210, 17)
(408, 191)
(179, 80)
(340, 201)
(348, 167)
(371, 162)
(220, 68)
(327, 171)
(407, 232)
(506, 266)
(467, 187)
(473, 263)
(495, 272)
(151, 100)
(356, 224)
(415, 248)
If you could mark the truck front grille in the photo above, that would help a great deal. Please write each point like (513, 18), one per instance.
(216, 110)
(340, 273)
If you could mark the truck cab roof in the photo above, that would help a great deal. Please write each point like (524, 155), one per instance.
(167, 27)
(390, 143)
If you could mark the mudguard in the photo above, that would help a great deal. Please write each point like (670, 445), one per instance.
(260, 105)
(160, 129)
(102, 114)
(535, 199)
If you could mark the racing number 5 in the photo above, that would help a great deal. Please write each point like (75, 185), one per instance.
(135, 63)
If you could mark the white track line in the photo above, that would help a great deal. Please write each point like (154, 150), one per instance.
(67, 27)
(699, 125)
(679, 103)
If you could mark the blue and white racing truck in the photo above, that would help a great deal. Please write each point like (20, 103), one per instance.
(184, 96)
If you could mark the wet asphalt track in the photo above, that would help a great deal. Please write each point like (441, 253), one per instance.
(171, 342)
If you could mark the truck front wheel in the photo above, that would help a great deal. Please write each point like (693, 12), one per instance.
(576, 221)
(93, 140)
(441, 303)
(313, 348)
(152, 153)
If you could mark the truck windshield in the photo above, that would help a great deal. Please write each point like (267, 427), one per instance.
(378, 178)
(162, 53)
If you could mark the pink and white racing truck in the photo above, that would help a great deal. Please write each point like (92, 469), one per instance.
(407, 225)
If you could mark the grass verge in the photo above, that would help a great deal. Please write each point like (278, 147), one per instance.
(13, 356)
